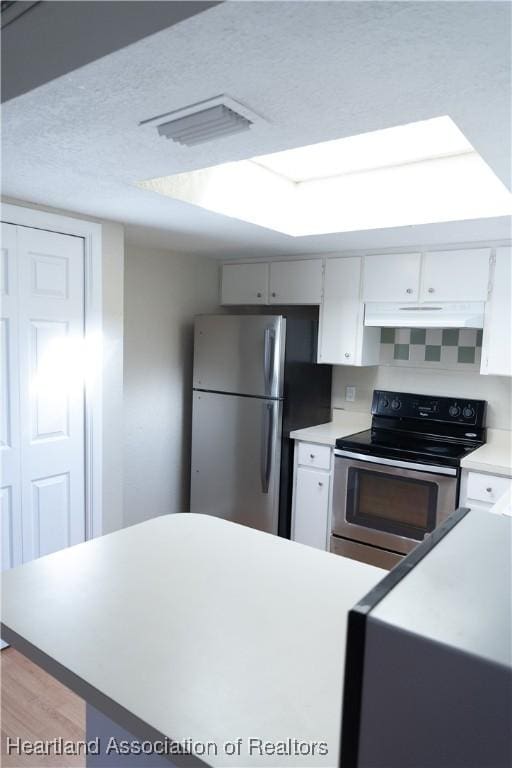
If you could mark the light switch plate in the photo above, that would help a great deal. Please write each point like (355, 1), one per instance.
(350, 394)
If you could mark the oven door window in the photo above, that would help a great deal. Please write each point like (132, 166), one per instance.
(392, 503)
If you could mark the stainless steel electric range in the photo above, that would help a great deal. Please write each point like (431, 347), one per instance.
(394, 483)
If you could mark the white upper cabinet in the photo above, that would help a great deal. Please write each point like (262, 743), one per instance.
(244, 284)
(458, 275)
(296, 282)
(343, 339)
(280, 282)
(461, 275)
(391, 277)
(497, 349)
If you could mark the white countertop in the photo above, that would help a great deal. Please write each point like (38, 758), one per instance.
(459, 594)
(344, 423)
(495, 456)
(195, 627)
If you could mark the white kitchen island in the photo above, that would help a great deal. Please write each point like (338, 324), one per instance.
(187, 627)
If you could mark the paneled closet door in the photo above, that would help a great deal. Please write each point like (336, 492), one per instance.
(51, 362)
(10, 491)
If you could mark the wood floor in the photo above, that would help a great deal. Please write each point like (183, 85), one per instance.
(35, 706)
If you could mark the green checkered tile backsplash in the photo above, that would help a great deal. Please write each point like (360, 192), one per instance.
(431, 347)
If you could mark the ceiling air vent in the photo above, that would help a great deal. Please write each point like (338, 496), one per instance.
(204, 121)
(204, 126)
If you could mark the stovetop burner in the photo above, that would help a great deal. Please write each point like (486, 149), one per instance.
(420, 428)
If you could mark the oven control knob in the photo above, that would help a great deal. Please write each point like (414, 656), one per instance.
(396, 404)
(385, 402)
(454, 410)
(468, 412)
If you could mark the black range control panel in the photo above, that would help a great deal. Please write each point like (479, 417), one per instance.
(404, 405)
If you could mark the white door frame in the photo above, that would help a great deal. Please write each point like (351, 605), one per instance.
(93, 316)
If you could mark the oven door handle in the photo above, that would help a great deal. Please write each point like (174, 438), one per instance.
(397, 463)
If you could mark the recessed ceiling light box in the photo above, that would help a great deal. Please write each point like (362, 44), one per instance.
(418, 173)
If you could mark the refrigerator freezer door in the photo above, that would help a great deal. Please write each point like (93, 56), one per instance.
(239, 354)
(236, 444)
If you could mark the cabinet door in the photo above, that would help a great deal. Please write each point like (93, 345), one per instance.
(311, 507)
(10, 491)
(391, 277)
(455, 275)
(296, 282)
(51, 352)
(497, 349)
(244, 284)
(343, 340)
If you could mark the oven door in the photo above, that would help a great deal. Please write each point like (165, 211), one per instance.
(390, 504)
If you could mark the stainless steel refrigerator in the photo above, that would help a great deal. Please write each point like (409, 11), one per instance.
(255, 380)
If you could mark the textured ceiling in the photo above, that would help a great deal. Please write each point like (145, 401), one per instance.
(313, 70)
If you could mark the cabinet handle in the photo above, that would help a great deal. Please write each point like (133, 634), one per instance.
(431, 290)
(489, 490)
(409, 290)
(311, 455)
(320, 484)
(273, 294)
(347, 354)
(259, 294)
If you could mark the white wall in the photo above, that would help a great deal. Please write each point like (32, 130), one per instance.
(113, 330)
(163, 292)
(495, 389)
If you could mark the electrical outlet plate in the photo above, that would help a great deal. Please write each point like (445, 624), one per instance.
(350, 394)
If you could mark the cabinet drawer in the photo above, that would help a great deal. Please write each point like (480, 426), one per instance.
(313, 455)
(381, 558)
(488, 488)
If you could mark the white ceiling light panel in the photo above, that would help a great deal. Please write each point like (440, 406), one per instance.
(420, 173)
(438, 137)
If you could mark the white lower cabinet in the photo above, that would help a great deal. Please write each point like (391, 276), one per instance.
(312, 495)
(480, 490)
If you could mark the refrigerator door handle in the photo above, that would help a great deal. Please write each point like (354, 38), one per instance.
(269, 359)
(267, 445)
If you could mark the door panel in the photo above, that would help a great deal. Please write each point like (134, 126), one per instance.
(7, 522)
(6, 373)
(236, 444)
(10, 493)
(239, 354)
(51, 514)
(49, 405)
(52, 357)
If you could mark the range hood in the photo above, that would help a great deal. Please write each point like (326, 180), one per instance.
(443, 315)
